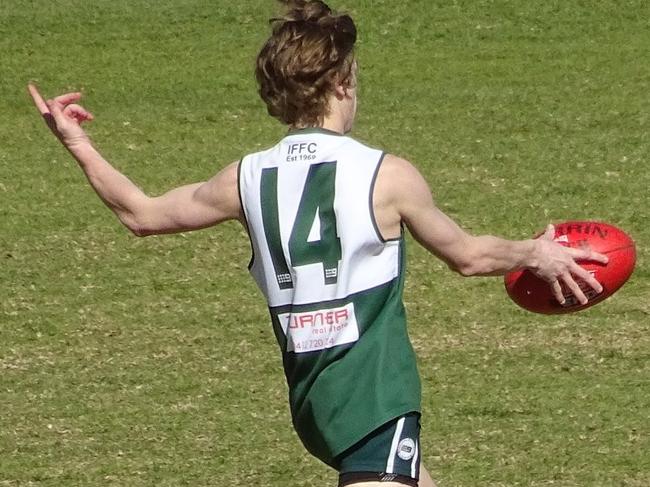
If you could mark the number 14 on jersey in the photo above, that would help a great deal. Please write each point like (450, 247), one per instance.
(316, 202)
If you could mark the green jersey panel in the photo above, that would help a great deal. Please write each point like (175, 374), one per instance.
(339, 395)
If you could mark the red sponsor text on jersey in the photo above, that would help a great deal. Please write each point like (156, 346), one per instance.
(319, 318)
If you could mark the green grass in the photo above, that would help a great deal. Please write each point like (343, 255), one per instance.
(151, 361)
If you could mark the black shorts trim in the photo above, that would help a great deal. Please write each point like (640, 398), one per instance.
(351, 478)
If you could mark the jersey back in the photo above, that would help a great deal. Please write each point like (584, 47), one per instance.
(333, 286)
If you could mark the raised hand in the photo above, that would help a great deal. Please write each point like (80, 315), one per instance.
(63, 116)
(557, 266)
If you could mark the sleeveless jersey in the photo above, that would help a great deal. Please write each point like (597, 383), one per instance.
(333, 286)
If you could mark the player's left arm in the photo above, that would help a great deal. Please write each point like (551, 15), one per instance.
(185, 208)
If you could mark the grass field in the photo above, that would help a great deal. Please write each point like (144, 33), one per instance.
(139, 362)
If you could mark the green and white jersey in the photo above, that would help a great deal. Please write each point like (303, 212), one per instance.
(333, 286)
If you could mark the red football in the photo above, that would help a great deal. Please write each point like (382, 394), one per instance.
(534, 294)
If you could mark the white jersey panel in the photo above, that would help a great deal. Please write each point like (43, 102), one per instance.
(285, 171)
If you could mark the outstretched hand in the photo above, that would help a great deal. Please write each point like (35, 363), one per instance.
(63, 116)
(558, 266)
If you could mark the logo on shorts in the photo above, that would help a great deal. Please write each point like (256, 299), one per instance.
(406, 449)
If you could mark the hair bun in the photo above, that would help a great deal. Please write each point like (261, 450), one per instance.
(344, 26)
(306, 10)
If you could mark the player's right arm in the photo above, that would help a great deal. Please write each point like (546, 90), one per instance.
(403, 196)
(185, 208)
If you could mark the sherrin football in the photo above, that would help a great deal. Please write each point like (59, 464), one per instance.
(534, 294)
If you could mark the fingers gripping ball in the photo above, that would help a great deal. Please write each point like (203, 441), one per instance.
(534, 294)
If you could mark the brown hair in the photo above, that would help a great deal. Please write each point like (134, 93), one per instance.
(310, 49)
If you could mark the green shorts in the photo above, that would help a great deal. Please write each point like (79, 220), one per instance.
(390, 453)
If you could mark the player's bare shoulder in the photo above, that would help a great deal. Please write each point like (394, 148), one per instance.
(397, 179)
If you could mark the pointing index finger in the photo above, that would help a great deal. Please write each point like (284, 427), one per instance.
(68, 98)
(38, 99)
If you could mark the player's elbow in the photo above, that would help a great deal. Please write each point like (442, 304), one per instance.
(140, 231)
(465, 268)
(478, 266)
(138, 219)
(469, 261)
(137, 227)
(144, 228)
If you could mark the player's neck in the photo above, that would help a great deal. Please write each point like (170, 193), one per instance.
(340, 115)
(334, 126)
(339, 118)
(330, 124)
